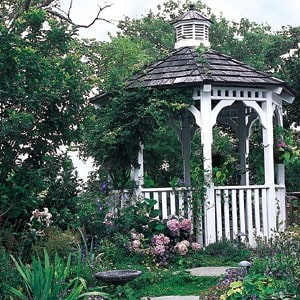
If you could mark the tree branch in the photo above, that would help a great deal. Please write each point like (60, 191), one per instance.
(67, 15)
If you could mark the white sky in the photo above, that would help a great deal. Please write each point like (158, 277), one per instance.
(276, 13)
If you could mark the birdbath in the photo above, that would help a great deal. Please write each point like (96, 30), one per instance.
(118, 277)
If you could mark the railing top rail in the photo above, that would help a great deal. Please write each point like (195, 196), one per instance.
(240, 187)
(216, 187)
(166, 189)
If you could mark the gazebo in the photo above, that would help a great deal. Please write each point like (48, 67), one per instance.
(230, 92)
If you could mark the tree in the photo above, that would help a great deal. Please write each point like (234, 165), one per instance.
(44, 84)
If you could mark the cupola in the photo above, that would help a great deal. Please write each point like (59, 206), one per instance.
(192, 29)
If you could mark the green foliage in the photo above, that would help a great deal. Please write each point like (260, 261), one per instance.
(8, 274)
(281, 260)
(57, 242)
(231, 250)
(42, 103)
(128, 119)
(49, 281)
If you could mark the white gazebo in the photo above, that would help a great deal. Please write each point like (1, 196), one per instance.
(230, 92)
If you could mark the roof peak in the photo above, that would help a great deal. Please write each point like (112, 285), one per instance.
(192, 29)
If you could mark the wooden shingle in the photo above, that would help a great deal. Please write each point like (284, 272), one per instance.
(186, 66)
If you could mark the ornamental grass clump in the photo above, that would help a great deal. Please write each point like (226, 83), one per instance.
(46, 280)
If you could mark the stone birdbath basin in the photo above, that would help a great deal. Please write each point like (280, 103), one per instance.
(118, 277)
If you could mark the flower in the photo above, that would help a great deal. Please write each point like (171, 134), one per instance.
(42, 216)
(187, 243)
(181, 248)
(136, 244)
(160, 239)
(185, 225)
(136, 236)
(159, 250)
(108, 219)
(173, 225)
(196, 246)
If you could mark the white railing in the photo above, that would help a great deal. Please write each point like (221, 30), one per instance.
(170, 201)
(241, 210)
(237, 210)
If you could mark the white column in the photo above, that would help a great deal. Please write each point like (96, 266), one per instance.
(269, 164)
(137, 174)
(186, 149)
(207, 140)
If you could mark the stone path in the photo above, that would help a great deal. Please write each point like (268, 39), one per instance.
(201, 271)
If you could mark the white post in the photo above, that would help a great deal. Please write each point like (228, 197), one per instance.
(185, 139)
(269, 164)
(137, 174)
(207, 140)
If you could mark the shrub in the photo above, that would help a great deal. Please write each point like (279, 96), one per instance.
(58, 242)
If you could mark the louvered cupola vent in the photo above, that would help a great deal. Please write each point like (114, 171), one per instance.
(192, 29)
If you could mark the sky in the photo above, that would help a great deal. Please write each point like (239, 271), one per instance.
(276, 13)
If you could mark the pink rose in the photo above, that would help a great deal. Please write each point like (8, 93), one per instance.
(196, 246)
(186, 225)
(181, 248)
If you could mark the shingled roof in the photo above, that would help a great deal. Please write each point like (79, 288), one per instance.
(186, 66)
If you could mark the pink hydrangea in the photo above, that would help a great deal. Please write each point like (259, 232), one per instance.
(181, 248)
(137, 236)
(187, 243)
(159, 250)
(196, 246)
(186, 225)
(173, 225)
(160, 239)
(136, 244)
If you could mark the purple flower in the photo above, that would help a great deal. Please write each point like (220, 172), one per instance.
(104, 187)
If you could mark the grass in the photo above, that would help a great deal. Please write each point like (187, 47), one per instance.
(170, 280)
(180, 283)
(162, 283)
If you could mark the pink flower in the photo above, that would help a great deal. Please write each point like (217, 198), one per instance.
(160, 239)
(281, 144)
(181, 248)
(159, 250)
(196, 246)
(187, 243)
(136, 244)
(136, 236)
(186, 225)
(173, 225)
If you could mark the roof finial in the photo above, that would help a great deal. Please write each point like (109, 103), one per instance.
(192, 6)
